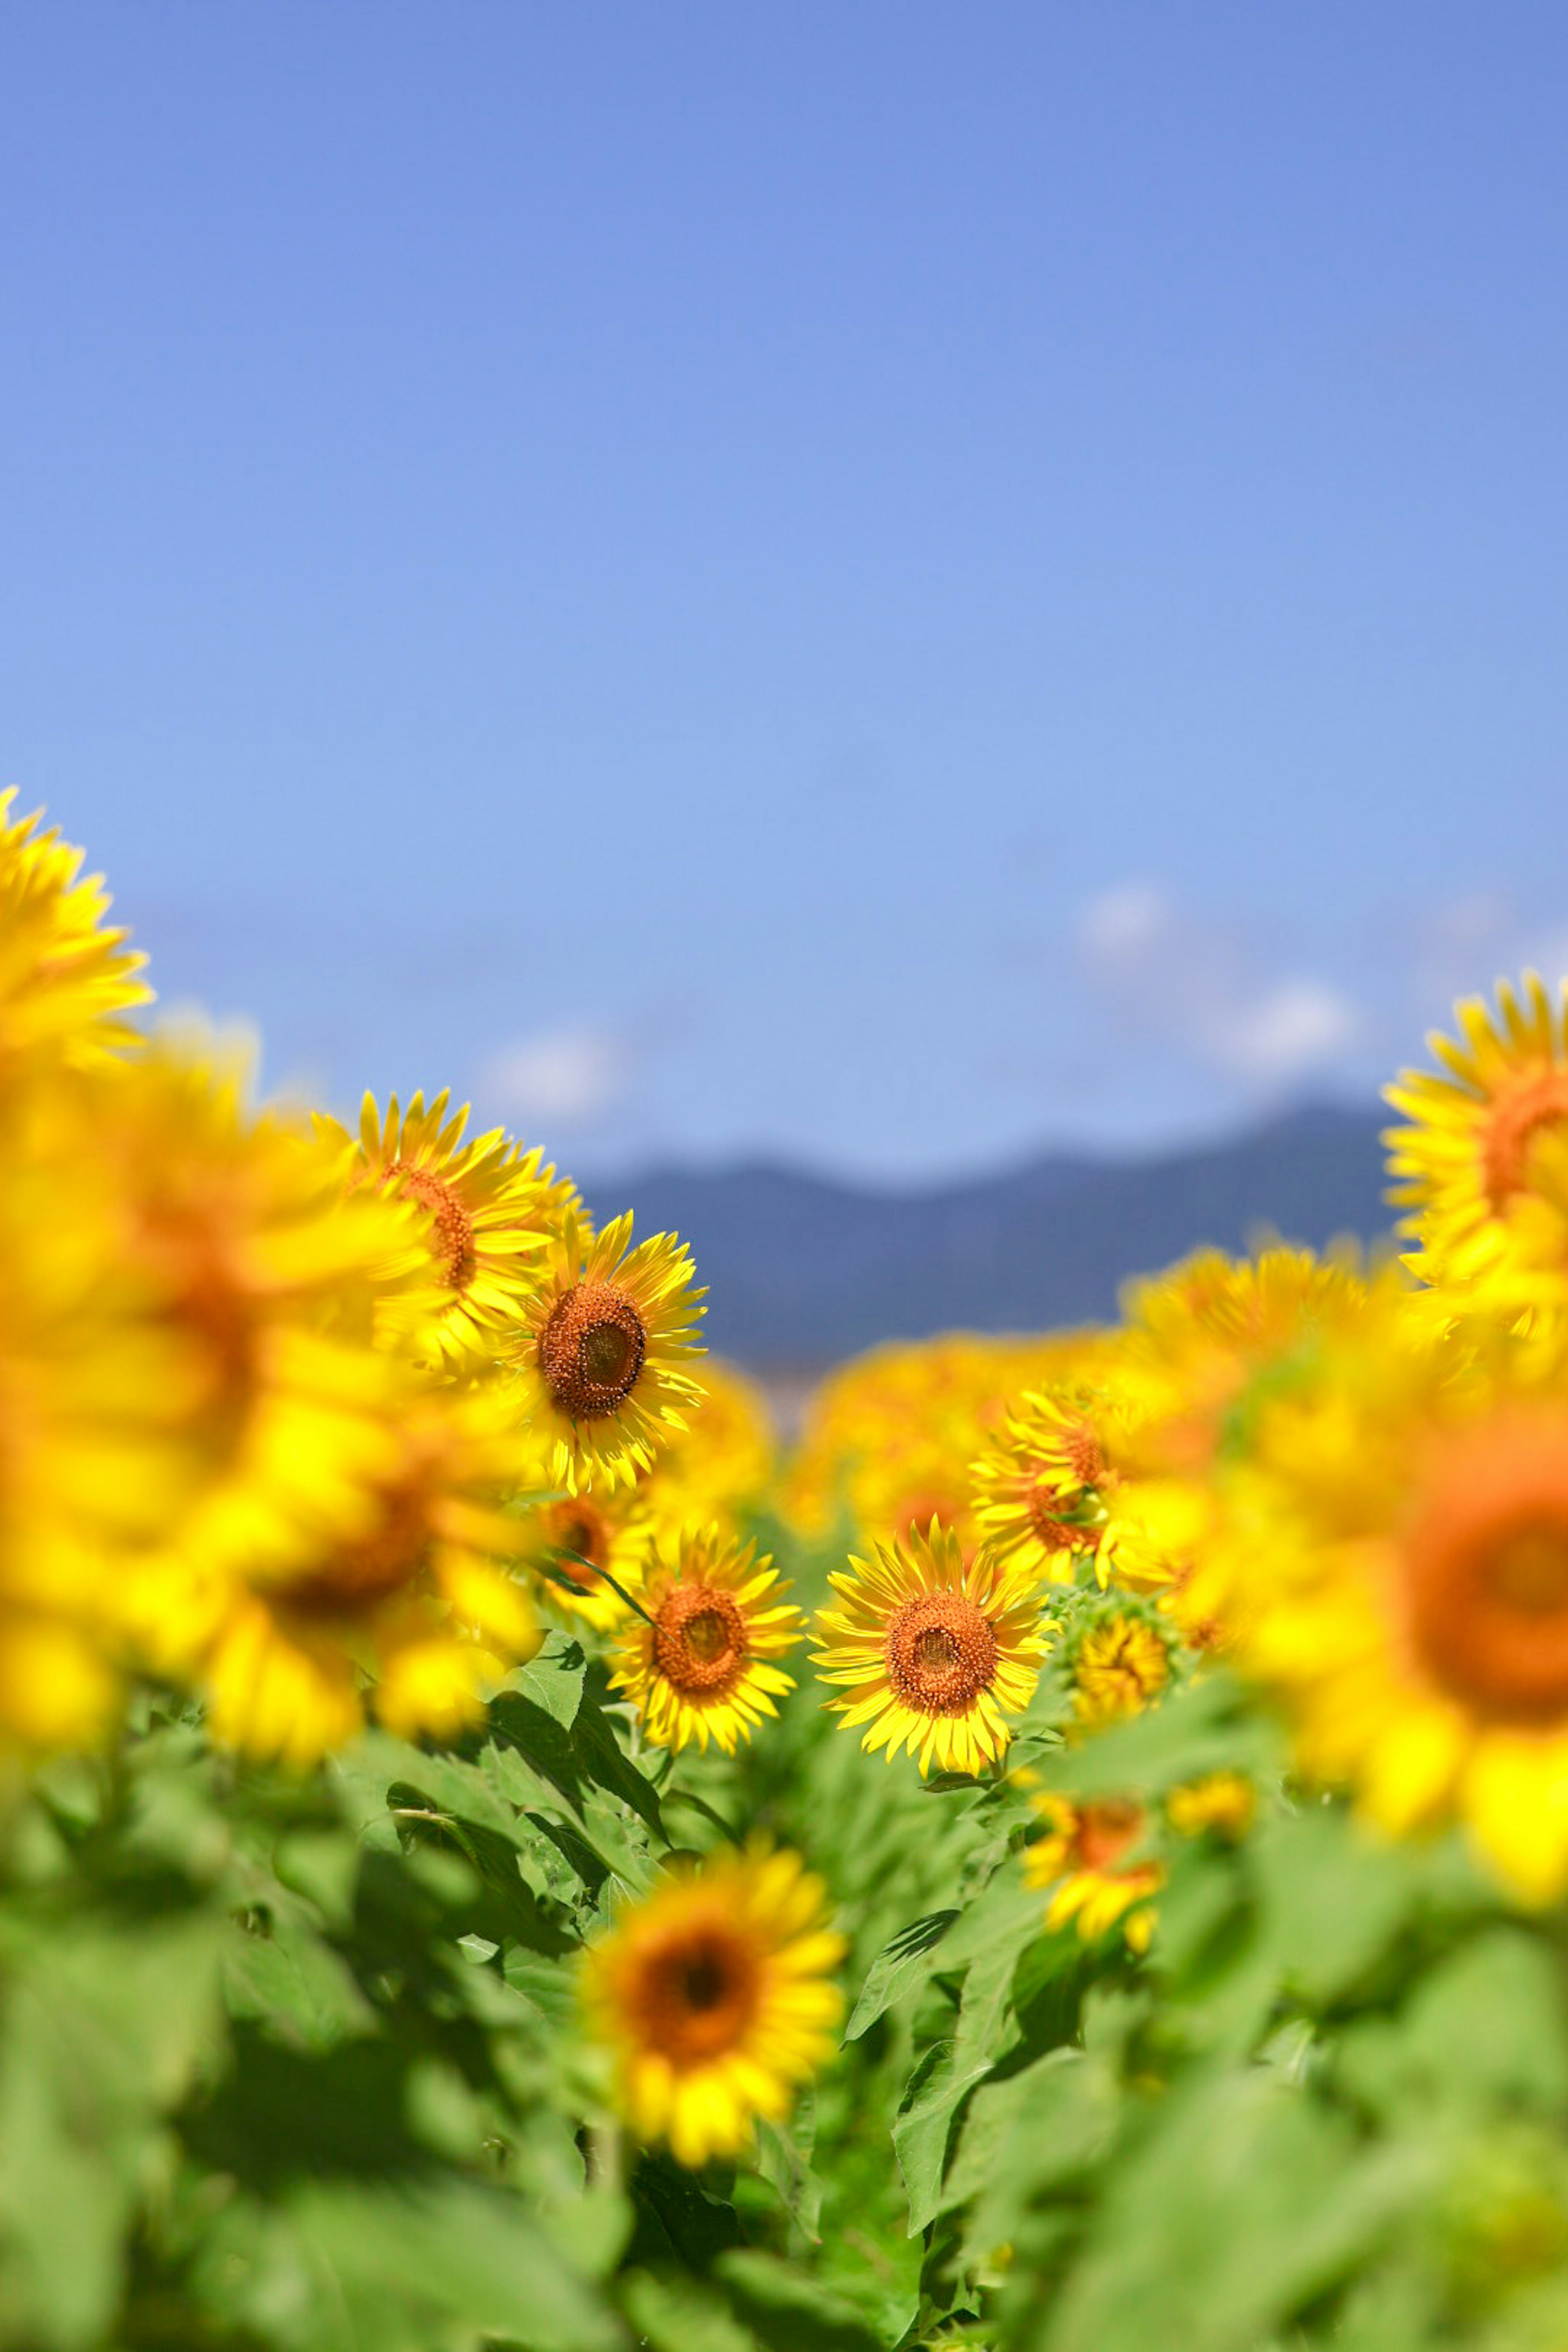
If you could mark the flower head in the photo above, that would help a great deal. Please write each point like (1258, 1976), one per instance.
(1082, 1857)
(715, 1996)
(485, 1210)
(65, 978)
(600, 1351)
(1121, 1664)
(933, 1652)
(699, 1664)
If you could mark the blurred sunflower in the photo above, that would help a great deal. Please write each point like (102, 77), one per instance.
(1081, 1858)
(699, 1664)
(715, 1996)
(1038, 1486)
(397, 1602)
(1120, 1665)
(65, 978)
(1482, 1169)
(1393, 1561)
(236, 1227)
(486, 1209)
(933, 1652)
(566, 1542)
(1223, 1802)
(598, 1355)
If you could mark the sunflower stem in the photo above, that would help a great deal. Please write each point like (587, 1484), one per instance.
(564, 1552)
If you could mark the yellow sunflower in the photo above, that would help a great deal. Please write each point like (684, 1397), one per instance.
(236, 1227)
(1393, 1561)
(65, 978)
(398, 1602)
(95, 1390)
(932, 1651)
(720, 1463)
(1223, 1802)
(599, 1352)
(714, 1996)
(1481, 1168)
(1081, 1857)
(697, 1663)
(568, 1541)
(487, 1207)
(1121, 1665)
(1038, 1488)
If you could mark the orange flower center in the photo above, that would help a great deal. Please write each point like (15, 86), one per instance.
(1104, 1833)
(694, 1991)
(1057, 1534)
(1513, 1122)
(452, 1228)
(1486, 1571)
(699, 1643)
(940, 1652)
(1085, 1454)
(592, 1350)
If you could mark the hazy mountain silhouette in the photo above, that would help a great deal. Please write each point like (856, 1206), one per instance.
(802, 1271)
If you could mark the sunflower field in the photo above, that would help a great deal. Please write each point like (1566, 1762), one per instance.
(1070, 1857)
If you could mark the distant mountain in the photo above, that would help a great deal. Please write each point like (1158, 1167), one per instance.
(802, 1272)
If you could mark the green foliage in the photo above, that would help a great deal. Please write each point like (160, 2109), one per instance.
(297, 2063)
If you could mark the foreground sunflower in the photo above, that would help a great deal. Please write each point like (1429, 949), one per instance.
(714, 1996)
(486, 1209)
(698, 1664)
(932, 1651)
(1393, 1561)
(65, 978)
(1083, 1859)
(399, 1603)
(1482, 1169)
(599, 1352)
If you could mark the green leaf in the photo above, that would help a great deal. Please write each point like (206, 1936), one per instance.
(897, 1968)
(788, 2310)
(553, 1679)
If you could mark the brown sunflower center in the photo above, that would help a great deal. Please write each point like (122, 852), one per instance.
(1057, 1534)
(592, 1350)
(357, 1577)
(1513, 1123)
(452, 1228)
(940, 1652)
(697, 1991)
(700, 1644)
(1486, 1572)
(1085, 1455)
(1104, 1833)
(576, 1526)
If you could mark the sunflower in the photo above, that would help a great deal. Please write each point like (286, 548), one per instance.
(1119, 1666)
(934, 1651)
(398, 1603)
(65, 978)
(697, 1663)
(721, 1463)
(487, 1208)
(714, 1996)
(1223, 1802)
(95, 1390)
(1393, 1561)
(568, 1541)
(1481, 1168)
(599, 1352)
(1081, 1858)
(1038, 1487)
(268, 1279)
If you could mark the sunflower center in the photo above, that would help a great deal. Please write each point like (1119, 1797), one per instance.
(357, 1577)
(1084, 1454)
(579, 1528)
(591, 1350)
(1486, 1572)
(940, 1652)
(1516, 1119)
(452, 1233)
(697, 1992)
(699, 1643)
(1105, 1832)
(1058, 1535)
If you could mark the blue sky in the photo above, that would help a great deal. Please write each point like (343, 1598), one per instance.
(884, 583)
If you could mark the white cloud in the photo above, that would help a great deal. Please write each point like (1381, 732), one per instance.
(1177, 979)
(570, 1076)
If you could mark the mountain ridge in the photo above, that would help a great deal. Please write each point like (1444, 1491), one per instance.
(804, 1269)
